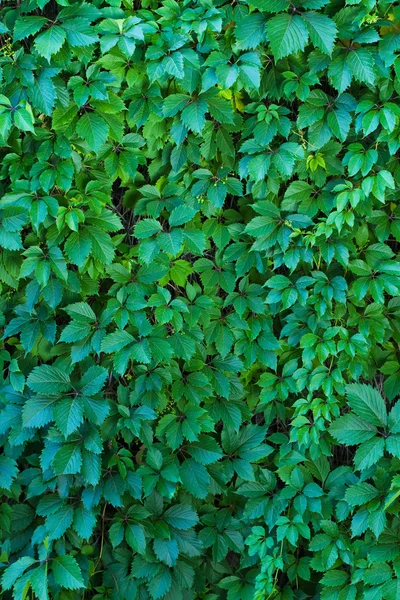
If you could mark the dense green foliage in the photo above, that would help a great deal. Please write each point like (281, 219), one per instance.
(200, 296)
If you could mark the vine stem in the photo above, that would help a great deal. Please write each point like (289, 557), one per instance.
(102, 536)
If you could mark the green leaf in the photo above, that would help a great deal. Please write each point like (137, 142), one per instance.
(250, 31)
(220, 110)
(68, 415)
(67, 460)
(360, 493)
(47, 379)
(171, 242)
(167, 551)
(369, 453)
(334, 578)
(81, 312)
(160, 584)
(93, 380)
(367, 403)
(102, 246)
(38, 580)
(15, 570)
(350, 429)
(193, 115)
(136, 538)
(287, 34)
(27, 25)
(174, 103)
(58, 523)
(8, 471)
(78, 247)
(67, 573)
(361, 64)
(270, 5)
(50, 41)
(146, 228)
(181, 516)
(173, 65)
(38, 411)
(91, 467)
(393, 445)
(322, 31)
(116, 341)
(181, 215)
(93, 129)
(23, 120)
(340, 73)
(79, 32)
(195, 478)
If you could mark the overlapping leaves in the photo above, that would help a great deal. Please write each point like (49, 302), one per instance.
(199, 300)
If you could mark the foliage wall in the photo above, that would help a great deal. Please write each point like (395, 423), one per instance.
(200, 299)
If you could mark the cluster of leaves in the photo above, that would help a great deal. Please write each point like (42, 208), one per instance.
(200, 300)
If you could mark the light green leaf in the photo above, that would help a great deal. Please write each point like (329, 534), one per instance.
(287, 34)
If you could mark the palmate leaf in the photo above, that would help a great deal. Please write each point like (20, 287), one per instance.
(199, 289)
